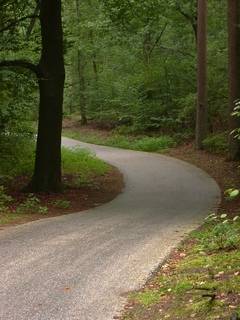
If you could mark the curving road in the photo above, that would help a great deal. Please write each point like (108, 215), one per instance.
(78, 267)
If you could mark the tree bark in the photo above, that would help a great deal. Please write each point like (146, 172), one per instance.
(81, 88)
(47, 172)
(201, 118)
(234, 73)
(80, 62)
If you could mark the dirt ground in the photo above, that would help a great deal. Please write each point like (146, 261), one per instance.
(102, 189)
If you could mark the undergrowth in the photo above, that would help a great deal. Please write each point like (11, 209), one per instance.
(201, 280)
(139, 143)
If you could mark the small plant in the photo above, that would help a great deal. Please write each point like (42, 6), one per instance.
(61, 204)
(231, 194)
(224, 235)
(31, 205)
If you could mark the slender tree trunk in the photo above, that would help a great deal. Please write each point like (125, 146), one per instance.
(192, 19)
(201, 122)
(47, 172)
(147, 48)
(95, 69)
(81, 88)
(80, 62)
(234, 73)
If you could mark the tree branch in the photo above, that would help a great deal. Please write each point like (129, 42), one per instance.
(158, 39)
(15, 22)
(33, 19)
(20, 64)
(191, 19)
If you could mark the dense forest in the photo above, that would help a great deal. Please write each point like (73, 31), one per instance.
(153, 69)
(159, 76)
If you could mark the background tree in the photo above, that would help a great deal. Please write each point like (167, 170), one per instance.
(234, 73)
(201, 121)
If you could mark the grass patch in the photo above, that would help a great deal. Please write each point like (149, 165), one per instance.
(139, 143)
(8, 217)
(200, 281)
(83, 164)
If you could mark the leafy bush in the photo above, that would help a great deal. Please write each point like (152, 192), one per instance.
(187, 110)
(17, 155)
(152, 144)
(61, 204)
(216, 143)
(31, 205)
(223, 233)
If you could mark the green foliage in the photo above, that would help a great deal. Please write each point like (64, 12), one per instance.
(139, 143)
(187, 110)
(17, 155)
(217, 143)
(139, 64)
(4, 199)
(31, 205)
(236, 114)
(17, 159)
(223, 233)
(82, 163)
(62, 204)
(148, 297)
(152, 144)
(232, 193)
(137, 61)
(202, 284)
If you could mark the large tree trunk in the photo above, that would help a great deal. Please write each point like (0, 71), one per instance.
(234, 73)
(201, 122)
(47, 172)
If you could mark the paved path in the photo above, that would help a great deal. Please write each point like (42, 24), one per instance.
(77, 267)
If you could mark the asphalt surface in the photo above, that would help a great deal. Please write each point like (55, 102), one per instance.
(79, 266)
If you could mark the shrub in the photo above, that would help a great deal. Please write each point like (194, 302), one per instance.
(152, 144)
(216, 143)
(17, 155)
(62, 204)
(148, 144)
(223, 233)
(31, 205)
